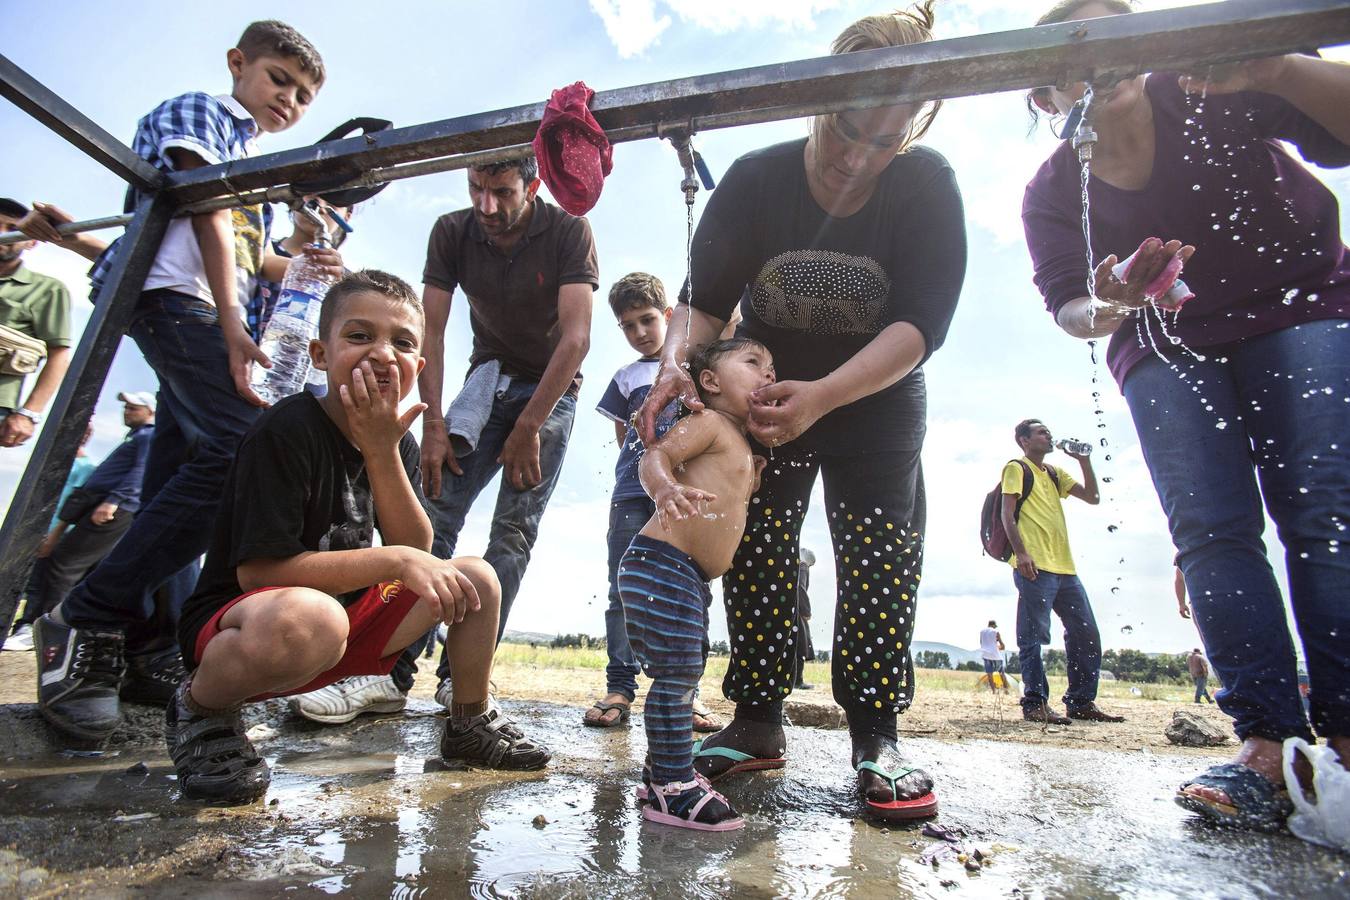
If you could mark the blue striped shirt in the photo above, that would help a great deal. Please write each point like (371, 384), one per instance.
(215, 129)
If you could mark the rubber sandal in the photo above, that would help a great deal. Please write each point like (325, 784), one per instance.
(625, 710)
(705, 720)
(1258, 803)
(691, 804)
(740, 762)
(897, 810)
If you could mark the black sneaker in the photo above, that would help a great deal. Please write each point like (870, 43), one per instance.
(151, 678)
(78, 674)
(491, 740)
(212, 755)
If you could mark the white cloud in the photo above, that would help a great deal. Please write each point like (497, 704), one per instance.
(635, 25)
(720, 17)
(632, 25)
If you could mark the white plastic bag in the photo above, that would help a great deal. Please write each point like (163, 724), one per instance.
(1327, 821)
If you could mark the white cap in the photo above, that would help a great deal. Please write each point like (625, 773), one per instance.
(138, 398)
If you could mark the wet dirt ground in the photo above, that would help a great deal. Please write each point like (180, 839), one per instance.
(360, 809)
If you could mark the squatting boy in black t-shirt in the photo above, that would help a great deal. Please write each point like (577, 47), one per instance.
(294, 597)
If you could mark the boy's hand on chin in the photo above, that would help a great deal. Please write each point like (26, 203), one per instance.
(372, 414)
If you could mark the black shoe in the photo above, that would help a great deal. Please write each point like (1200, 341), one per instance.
(1043, 714)
(491, 740)
(152, 678)
(213, 757)
(78, 674)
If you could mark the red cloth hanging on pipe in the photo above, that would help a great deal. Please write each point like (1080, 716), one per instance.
(574, 154)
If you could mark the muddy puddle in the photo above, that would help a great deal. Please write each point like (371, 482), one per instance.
(360, 810)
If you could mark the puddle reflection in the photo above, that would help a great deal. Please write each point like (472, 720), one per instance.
(347, 814)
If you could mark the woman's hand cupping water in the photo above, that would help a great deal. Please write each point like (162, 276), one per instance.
(1153, 257)
(783, 411)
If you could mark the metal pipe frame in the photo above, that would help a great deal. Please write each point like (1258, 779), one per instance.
(1189, 38)
(1117, 46)
(1162, 40)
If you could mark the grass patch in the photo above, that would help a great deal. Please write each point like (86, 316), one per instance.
(818, 674)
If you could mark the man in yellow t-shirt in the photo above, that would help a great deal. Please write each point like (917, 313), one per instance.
(1044, 574)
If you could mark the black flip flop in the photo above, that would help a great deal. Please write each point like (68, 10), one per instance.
(625, 710)
(1258, 803)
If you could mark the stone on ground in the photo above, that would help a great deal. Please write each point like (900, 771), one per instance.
(1190, 730)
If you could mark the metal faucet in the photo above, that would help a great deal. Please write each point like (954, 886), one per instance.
(313, 212)
(1084, 136)
(684, 149)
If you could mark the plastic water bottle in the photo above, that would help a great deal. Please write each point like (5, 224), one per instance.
(1069, 445)
(294, 323)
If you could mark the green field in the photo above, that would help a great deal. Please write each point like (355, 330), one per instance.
(819, 673)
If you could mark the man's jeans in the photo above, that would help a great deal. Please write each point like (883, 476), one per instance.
(626, 518)
(515, 521)
(1279, 430)
(198, 424)
(1201, 682)
(1064, 595)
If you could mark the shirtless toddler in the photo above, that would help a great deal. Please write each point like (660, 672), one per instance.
(700, 476)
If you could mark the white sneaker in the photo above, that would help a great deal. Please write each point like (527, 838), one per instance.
(21, 639)
(347, 698)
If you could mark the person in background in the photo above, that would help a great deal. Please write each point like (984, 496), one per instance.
(1179, 586)
(37, 307)
(1195, 664)
(806, 648)
(21, 638)
(991, 652)
(1046, 578)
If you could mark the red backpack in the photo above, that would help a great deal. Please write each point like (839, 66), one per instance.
(992, 534)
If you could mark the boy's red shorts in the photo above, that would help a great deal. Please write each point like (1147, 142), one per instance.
(373, 619)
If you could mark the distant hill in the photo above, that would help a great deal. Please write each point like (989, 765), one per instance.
(954, 653)
(527, 637)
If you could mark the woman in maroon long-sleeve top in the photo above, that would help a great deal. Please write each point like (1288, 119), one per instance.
(1242, 398)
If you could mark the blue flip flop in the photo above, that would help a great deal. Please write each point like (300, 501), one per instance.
(1258, 803)
(740, 761)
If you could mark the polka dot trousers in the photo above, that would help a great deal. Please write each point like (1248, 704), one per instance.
(875, 507)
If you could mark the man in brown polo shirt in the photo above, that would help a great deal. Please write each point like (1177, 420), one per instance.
(39, 307)
(529, 271)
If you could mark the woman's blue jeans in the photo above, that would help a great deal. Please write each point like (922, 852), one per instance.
(1278, 430)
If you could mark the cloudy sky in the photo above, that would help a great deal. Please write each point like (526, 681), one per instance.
(1004, 358)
